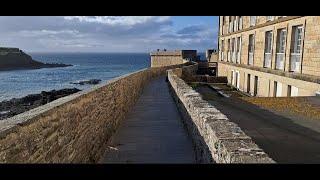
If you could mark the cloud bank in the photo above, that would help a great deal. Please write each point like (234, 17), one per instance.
(102, 34)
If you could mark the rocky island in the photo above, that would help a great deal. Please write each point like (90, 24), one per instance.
(14, 58)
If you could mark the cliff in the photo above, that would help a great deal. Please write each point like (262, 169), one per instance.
(14, 58)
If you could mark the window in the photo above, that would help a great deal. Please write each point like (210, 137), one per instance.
(229, 50)
(292, 91)
(255, 90)
(253, 20)
(248, 83)
(289, 91)
(268, 49)
(240, 23)
(277, 89)
(270, 18)
(233, 50)
(230, 24)
(237, 80)
(251, 49)
(296, 48)
(235, 23)
(281, 47)
(268, 42)
(282, 33)
(238, 50)
(232, 77)
(222, 24)
(222, 50)
(297, 39)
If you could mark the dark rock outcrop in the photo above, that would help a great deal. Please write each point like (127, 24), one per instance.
(14, 58)
(91, 81)
(19, 105)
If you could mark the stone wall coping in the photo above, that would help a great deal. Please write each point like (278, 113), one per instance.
(8, 125)
(166, 53)
(225, 139)
(172, 53)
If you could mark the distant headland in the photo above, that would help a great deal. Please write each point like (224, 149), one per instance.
(14, 58)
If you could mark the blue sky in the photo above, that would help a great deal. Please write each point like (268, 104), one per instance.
(182, 21)
(108, 33)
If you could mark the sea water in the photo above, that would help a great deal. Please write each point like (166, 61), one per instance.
(104, 66)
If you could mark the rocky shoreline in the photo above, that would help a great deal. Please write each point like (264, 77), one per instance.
(19, 105)
(90, 81)
(54, 65)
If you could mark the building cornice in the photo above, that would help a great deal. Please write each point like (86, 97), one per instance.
(299, 76)
(268, 23)
(166, 53)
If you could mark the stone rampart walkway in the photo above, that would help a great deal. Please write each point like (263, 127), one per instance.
(153, 131)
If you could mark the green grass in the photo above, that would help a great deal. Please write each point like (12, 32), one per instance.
(194, 85)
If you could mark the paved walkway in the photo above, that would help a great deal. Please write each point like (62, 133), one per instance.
(281, 138)
(153, 131)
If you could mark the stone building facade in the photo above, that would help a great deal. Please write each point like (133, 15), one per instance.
(271, 56)
(211, 55)
(169, 58)
(214, 57)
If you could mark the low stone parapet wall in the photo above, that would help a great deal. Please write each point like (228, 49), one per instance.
(189, 69)
(215, 137)
(76, 128)
(189, 74)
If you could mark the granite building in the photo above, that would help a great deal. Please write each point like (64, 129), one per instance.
(271, 56)
(161, 58)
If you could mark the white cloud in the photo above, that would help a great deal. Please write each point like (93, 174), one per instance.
(44, 32)
(119, 20)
